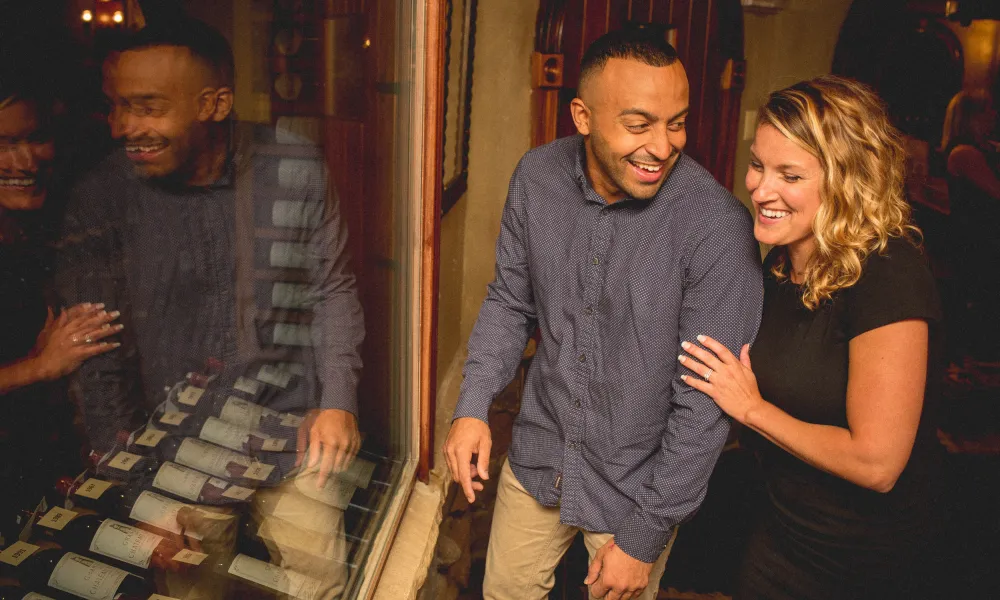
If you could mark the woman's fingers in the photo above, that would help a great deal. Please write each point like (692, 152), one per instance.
(699, 369)
(707, 358)
(720, 350)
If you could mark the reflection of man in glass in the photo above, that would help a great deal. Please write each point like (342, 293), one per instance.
(155, 232)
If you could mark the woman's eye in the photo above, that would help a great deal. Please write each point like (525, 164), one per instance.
(791, 178)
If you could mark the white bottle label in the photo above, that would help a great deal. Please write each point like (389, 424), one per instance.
(291, 213)
(124, 542)
(191, 395)
(150, 437)
(224, 433)
(290, 420)
(86, 578)
(360, 472)
(246, 385)
(36, 596)
(272, 375)
(237, 493)
(274, 445)
(93, 488)
(244, 413)
(159, 511)
(289, 255)
(290, 295)
(208, 458)
(186, 483)
(273, 577)
(291, 334)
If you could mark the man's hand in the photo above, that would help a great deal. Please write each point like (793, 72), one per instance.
(468, 436)
(616, 575)
(332, 438)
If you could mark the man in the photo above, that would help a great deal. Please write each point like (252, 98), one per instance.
(155, 232)
(617, 247)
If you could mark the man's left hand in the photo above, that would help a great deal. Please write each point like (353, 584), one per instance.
(615, 575)
(332, 438)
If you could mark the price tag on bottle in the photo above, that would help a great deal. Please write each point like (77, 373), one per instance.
(290, 420)
(190, 557)
(238, 493)
(246, 385)
(36, 596)
(150, 438)
(191, 395)
(93, 488)
(173, 417)
(219, 483)
(124, 461)
(57, 518)
(17, 552)
(274, 445)
(258, 471)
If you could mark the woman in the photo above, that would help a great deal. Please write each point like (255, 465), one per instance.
(36, 346)
(837, 387)
(973, 163)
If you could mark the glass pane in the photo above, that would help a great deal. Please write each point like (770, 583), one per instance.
(243, 212)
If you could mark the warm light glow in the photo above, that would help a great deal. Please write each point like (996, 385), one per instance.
(118, 18)
(87, 16)
(104, 18)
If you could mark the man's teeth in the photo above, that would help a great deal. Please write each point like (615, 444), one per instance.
(649, 168)
(17, 182)
(774, 214)
(136, 148)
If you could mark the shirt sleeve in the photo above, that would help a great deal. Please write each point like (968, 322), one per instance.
(507, 317)
(88, 269)
(722, 299)
(338, 320)
(895, 286)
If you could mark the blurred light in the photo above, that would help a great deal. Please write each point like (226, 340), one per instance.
(118, 18)
(367, 43)
(104, 18)
(87, 16)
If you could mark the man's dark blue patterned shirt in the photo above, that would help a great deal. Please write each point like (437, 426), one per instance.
(607, 431)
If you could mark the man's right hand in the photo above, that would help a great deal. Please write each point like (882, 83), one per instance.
(468, 436)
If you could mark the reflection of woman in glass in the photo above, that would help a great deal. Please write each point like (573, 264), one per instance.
(36, 346)
(974, 196)
(836, 391)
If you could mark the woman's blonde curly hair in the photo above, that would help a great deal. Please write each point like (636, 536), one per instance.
(844, 124)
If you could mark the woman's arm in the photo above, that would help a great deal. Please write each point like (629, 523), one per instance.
(19, 374)
(885, 392)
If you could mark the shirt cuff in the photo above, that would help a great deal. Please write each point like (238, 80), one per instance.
(470, 405)
(637, 538)
(341, 397)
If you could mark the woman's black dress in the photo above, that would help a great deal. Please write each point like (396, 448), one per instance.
(822, 537)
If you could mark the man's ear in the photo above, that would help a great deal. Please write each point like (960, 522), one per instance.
(581, 116)
(215, 104)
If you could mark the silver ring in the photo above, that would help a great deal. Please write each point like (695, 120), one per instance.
(708, 374)
(87, 340)
(74, 339)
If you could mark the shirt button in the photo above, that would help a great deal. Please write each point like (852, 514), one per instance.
(589, 310)
(582, 358)
(572, 445)
(578, 403)
(597, 260)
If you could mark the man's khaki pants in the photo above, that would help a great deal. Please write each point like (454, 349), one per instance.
(527, 541)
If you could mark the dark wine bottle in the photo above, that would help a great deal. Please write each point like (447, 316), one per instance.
(81, 576)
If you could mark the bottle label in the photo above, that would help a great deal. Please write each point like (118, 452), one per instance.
(184, 482)
(35, 596)
(150, 438)
(172, 417)
(93, 488)
(159, 597)
(208, 458)
(292, 334)
(159, 511)
(219, 483)
(86, 578)
(290, 295)
(290, 420)
(335, 492)
(237, 493)
(274, 445)
(258, 471)
(273, 577)
(289, 255)
(360, 472)
(190, 396)
(57, 518)
(190, 557)
(244, 413)
(246, 385)
(224, 433)
(124, 542)
(124, 461)
(272, 375)
(15, 554)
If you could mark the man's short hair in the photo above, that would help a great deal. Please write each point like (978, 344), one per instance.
(203, 41)
(645, 44)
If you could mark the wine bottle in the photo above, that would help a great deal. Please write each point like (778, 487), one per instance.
(189, 484)
(217, 461)
(104, 497)
(11, 592)
(130, 546)
(79, 575)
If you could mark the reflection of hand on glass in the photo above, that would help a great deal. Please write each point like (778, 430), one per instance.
(332, 438)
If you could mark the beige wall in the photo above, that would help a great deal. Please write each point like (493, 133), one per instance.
(782, 49)
(500, 134)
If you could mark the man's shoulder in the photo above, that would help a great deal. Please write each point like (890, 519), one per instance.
(106, 181)
(551, 161)
(697, 193)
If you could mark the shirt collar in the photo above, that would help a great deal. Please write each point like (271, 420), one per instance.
(580, 174)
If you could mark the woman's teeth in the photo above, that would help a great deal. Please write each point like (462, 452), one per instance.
(17, 181)
(774, 214)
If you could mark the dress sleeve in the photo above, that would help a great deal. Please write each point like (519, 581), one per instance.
(895, 286)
